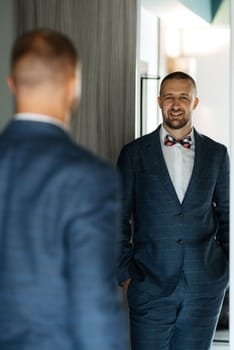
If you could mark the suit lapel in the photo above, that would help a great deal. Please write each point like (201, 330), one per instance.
(156, 164)
(200, 161)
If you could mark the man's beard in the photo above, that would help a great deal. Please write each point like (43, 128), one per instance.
(175, 123)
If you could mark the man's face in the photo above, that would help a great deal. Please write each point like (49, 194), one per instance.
(177, 101)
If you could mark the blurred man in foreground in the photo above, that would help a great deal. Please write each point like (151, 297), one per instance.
(59, 212)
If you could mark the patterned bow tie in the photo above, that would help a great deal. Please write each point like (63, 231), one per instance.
(171, 141)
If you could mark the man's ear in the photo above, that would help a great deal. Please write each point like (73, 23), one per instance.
(196, 101)
(71, 84)
(76, 80)
(11, 84)
(159, 101)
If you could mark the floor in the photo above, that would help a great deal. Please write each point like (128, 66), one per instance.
(221, 341)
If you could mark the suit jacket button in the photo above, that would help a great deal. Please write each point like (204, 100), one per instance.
(180, 215)
(180, 241)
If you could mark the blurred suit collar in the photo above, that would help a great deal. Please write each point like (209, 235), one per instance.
(34, 117)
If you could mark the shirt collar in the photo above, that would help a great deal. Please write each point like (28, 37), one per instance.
(36, 117)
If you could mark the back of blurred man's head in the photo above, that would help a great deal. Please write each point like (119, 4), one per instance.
(40, 55)
(43, 60)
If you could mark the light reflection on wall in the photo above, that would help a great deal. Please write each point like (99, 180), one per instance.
(199, 41)
(205, 41)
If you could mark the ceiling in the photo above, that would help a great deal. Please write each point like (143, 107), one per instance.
(190, 13)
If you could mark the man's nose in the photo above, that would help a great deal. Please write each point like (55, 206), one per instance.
(176, 103)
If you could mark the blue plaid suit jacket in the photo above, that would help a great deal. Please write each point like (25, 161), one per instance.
(161, 236)
(58, 230)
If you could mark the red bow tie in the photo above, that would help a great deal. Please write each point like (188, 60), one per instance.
(171, 141)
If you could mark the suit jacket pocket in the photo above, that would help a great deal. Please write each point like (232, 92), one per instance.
(216, 262)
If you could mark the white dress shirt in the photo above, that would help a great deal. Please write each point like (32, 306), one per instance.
(40, 118)
(179, 161)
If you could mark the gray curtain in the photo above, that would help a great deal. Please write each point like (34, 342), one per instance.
(104, 32)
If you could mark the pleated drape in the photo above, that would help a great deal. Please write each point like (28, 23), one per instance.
(104, 32)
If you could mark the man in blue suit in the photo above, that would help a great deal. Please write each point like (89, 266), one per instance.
(174, 245)
(59, 213)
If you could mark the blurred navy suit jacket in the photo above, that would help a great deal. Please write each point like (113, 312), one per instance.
(58, 223)
(169, 236)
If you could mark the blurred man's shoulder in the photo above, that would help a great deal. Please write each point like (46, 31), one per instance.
(87, 162)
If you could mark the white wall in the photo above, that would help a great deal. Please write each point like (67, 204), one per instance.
(212, 75)
(6, 39)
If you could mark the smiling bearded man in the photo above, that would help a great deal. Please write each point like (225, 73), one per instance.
(175, 229)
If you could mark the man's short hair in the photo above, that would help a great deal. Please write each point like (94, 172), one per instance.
(46, 50)
(178, 75)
